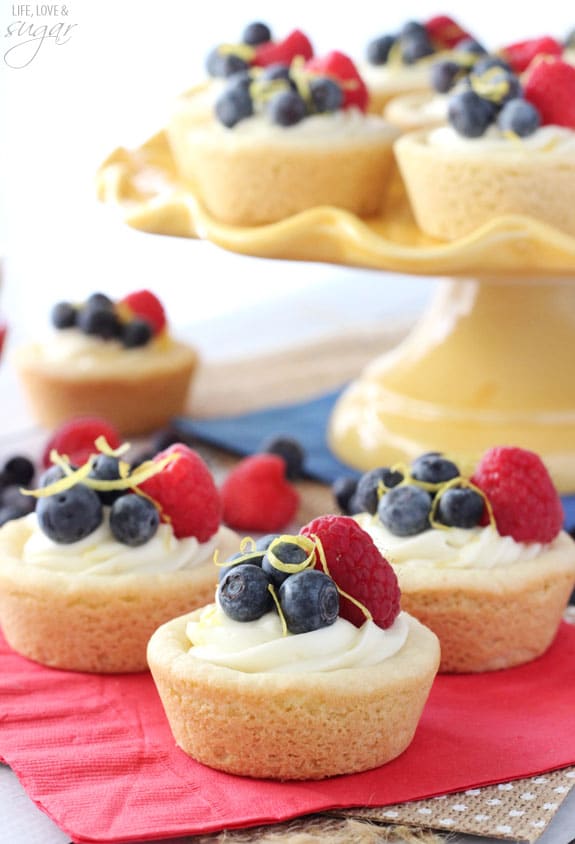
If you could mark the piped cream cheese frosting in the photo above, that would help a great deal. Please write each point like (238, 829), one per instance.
(261, 646)
(481, 547)
(101, 554)
(547, 139)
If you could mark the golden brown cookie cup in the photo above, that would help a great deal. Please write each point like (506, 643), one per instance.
(292, 726)
(90, 622)
(453, 192)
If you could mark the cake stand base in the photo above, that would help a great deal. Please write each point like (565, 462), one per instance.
(490, 363)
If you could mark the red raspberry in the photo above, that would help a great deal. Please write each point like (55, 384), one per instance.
(76, 439)
(550, 87)
(2, 336)
(257, 497)
(283, 52)
(358, 568)
(147, 306)
(525, 503)
(341, 68)
(186, 493)
(520, 54)
(445, 32)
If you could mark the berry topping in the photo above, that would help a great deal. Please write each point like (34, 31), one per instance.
(223, 64)
(234, 104)
(443, 75)
(136, 333)
(70, 515)
(309, 600)
(256, 33)
(146, 306)
(371, 487)
(14, 505)
(64, 315)
(326, 95)
(77, 439)
(445, 32)
(244, 594)
(405, 510)
(106, 467)
(415, 45)
(343, 491)
(17, 470)
(358, 569)
(550, 87)
(290, 451)
(99, 320)
(340, 67)
(433, 468)
(133, 520)
(470, 114)
(519, 117)
(378, 50)
(256, 496)
(284, 52)
(287, 108)
(460, 507)
(523, 500)
(278, 561)
(520, 54)
(185, 493)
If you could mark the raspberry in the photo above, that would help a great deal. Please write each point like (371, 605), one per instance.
(186, 494)
(146, 306)
(445, 32)
(256, 495)
(76, 439)
(521, 53)
(525, 503)
(340, 67)
(550, 87)
(282, 52)
(358, 568)
(2, 336)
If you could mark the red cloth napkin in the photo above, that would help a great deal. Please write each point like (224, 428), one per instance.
(95, 752)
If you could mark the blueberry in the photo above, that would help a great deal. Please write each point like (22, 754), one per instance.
(496, 85)
(405, 510)
(264, 542)
(367, 495)
(18, 470)
(99, 321)
(570, 40)
(290, 451)
(253, 558)
(64, 315)
(326, 95)
(164, 438)
(488, 62)
(256, 33)
(13, 498)
(140, 456)
(413, 29)
(343, 491)
(99, 300)
(134, 520)
(460, 507)
(287, 108)
(233, 105)
(50, 476)
(469, 114)
(433, 468)
(106, 468)
(243, 593)
(275, 72)
(444, 75)
(416, 46)
(471, 46)
(9, 512)
(378, 50)
(309, 601)
(71, 515)
(287, 552)
(520, 117)
(136, 333)
(224, 64)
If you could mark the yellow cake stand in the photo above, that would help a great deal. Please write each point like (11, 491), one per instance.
(490, 362)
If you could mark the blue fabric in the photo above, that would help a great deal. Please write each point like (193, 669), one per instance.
(305, 421)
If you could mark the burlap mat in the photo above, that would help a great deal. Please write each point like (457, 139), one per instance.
(517, 811)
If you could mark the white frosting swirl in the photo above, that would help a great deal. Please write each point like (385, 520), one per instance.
(480, 547)
(260, 646)
(395, 76)
(100, 553)
(546, 139)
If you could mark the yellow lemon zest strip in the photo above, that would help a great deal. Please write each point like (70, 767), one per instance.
(243, 51)
(247, 545)
(323, 561)
(272, 592)
(303, 542)
(62, 484)
(104, 448)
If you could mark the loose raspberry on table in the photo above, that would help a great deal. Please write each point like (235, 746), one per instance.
(186, 494)
(525, 503)
(256, 495)
(76, 439)
(358, 568)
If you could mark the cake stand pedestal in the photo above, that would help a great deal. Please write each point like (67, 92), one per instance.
(489, 363)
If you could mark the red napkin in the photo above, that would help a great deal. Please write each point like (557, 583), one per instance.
(95, 752)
